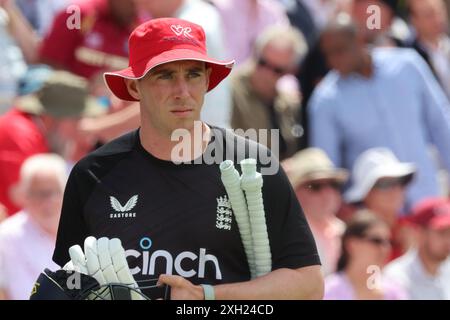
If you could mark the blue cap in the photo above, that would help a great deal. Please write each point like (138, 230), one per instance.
(33, 79)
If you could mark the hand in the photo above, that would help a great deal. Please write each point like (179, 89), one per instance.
(104, 259)
(181, 289)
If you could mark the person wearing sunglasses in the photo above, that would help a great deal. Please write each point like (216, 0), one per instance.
(258, 103)
(379, 183)
(317, 184)
(366, 247)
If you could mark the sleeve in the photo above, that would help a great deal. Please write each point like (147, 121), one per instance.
(58, 46)
(72, 226)
(436, 108)
(324, 132)
(291, 240)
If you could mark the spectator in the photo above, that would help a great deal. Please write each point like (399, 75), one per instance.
(45, 121)
(379, 183)
(12, 64)
(317, 184)
(425, 271)
(257, 101)
(28, 238)
(365, 249)
(430, 22)
(99, 43)
(244, 20)
(40, 13)
(385, 97)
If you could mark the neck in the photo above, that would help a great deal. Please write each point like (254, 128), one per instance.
(161, 145)
(366, 66)
(48, 225)
(430, 40)
(320, 221)
(357, 274)
(430, 265)
(169, 9)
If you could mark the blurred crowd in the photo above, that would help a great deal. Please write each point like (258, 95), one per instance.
(358, 89)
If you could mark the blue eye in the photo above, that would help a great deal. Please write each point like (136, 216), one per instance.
(194, 74)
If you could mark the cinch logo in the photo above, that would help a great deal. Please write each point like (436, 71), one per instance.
(123, 211)
(149, 261)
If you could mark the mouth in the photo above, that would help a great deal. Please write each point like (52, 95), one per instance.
(182, 112)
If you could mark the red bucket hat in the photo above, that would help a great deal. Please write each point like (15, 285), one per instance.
(160, 41)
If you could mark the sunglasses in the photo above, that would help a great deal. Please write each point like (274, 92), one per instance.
(318, 186)
(385, 184)
(378, 241)
(278, 70)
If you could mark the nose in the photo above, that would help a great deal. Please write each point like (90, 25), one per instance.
(181, 88)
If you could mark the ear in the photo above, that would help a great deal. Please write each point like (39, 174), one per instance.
(133, 89)
(208, 74)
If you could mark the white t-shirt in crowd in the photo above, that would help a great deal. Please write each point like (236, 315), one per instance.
(25, 251)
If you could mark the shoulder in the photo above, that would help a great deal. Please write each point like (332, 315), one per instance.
(337, 287)
(400, 268)
(108, 154)
(327, 89)
(396, 56)
(12, 226)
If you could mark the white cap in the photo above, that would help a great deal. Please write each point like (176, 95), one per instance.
(372, 165)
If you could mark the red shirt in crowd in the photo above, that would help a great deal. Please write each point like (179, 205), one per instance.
(20, 138)
(98, 45)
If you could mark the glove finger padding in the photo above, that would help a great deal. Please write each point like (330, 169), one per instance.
(105, 260)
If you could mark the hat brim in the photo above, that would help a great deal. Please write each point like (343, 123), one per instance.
(340, 175)
(116, 80)
(359, 190)
(31, 104)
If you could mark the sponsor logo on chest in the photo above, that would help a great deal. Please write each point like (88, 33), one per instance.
(124, 211)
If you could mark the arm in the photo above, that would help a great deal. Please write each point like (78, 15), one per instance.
(301, 283)
(112, 125)
(436, 109)
(26, 38)
(323, 130)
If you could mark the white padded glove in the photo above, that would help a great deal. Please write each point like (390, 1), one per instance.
(104, 259)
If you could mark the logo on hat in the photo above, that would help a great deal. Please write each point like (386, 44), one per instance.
(180, 30)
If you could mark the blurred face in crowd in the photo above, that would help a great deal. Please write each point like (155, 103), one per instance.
(436, 243)
(275, 61)
(42, 199)
(124, 11)
(361, 15)
(160, 8)
(386, 198)
(171, 95)
(319, 198)
(342, 51)
(373, 248)
(429, 17)
(61, 133)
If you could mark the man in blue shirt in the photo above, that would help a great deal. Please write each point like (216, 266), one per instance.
(385, 97)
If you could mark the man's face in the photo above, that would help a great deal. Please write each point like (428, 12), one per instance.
(43, 196)
(273, 64)
(341, 52)
(437, 243)
(172, 94)
(124, 11)
(320, 198)
(429, 17)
